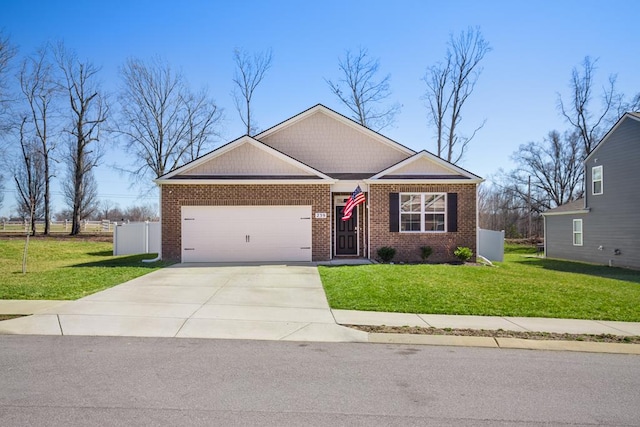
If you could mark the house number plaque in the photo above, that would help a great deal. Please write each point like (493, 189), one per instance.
(321, 214)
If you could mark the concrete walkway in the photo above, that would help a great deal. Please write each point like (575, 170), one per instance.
(492, 323)
(269, 302)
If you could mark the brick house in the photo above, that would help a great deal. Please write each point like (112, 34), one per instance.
(279, 196)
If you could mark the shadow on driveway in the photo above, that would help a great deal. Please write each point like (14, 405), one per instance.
(125, 261)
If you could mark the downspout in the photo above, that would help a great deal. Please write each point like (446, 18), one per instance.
(331, 230)
(159, 257)
(369, 223)
(477, 221)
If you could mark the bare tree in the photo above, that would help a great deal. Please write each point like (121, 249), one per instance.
(162, 123)
(362, 93)
(591, 124)
(87, 112)
(250, 71)
(83, 198)
(202, 117)
(1, 191)
(29, 177)
(40, 91)
(555, 169)
(449, 85)
(578, 113)
(501, 206)
(628, 106)
(146, 212)
(7, 52)
(105, 208)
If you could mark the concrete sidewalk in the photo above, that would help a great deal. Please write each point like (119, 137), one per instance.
(45, 322)
(270, 302)
(493, 323)
(372, 318)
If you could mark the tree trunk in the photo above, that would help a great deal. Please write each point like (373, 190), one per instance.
(77, 185)
(47, 182)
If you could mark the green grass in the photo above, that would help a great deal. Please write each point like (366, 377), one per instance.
(524, 285)
(65, 268)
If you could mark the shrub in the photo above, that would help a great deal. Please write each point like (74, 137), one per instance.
(425, 252)
(386, 253)
(463, 253)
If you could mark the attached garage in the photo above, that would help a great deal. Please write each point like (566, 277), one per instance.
(246, 233)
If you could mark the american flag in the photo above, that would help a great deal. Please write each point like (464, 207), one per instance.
(357, 197)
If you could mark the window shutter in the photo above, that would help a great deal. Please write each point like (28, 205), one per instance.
(394, 212)
(452, 212)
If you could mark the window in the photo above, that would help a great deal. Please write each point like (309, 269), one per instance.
(596, 180)
(423, 212)
(577, 232)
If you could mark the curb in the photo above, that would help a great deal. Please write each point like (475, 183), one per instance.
(507, 343)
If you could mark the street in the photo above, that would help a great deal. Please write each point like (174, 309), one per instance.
(87, 381)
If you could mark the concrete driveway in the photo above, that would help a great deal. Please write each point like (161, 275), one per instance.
(269, 302)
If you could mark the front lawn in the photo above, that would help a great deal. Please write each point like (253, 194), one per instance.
(524, 285)
(65, 268)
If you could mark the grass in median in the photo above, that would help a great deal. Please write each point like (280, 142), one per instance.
(65, 268)
(523, 285)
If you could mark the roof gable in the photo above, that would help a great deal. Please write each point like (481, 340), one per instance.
(627, 116)
(246, 158)
(427, 166)
(333, 143)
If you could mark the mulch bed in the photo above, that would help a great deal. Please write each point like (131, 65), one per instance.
(497, 334)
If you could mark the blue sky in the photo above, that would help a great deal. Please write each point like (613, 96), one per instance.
(535, 45)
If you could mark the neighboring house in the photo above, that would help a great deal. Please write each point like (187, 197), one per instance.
(604, 227)
(278, 196)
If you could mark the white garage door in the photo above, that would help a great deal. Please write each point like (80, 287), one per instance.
(246, 233)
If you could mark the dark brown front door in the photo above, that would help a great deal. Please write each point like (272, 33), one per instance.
(346, 233)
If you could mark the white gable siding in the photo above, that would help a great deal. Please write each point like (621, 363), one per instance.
(423, 166)
(329, 145)
(246, 159)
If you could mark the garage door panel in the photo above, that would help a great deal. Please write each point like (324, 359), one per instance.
(246, 233)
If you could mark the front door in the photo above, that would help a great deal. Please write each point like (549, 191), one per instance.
(346, 233)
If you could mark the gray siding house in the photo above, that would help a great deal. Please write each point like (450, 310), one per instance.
(604, 226)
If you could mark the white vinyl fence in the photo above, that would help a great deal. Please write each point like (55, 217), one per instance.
(136, 238)
(18, 226)
(491, 244)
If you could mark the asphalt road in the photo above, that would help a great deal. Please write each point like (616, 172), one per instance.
(87, 381)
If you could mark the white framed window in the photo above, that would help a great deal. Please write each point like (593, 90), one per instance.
(577, 232)
(423, 212)
(596, 180)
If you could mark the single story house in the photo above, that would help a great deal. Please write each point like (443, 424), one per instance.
(604, 226)
(279, 196)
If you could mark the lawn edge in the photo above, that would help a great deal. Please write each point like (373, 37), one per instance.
(503, 343)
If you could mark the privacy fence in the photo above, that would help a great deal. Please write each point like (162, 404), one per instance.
(104, 226)
(491, 244)
(136, 238)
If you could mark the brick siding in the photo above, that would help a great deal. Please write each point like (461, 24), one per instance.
(318, 196)
(408, 245)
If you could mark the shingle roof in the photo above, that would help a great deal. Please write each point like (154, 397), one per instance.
(576, 205)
